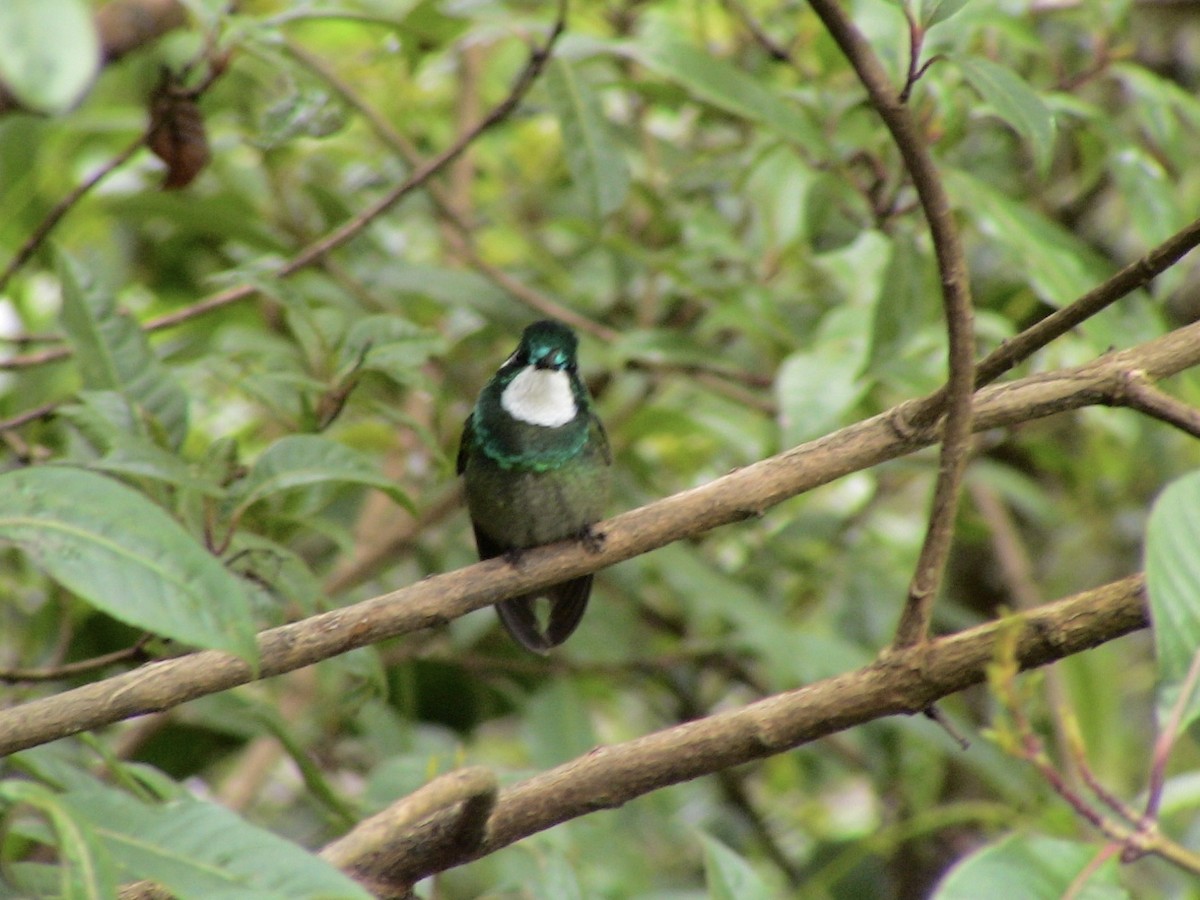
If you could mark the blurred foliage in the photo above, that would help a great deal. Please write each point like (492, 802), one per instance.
(732, 217)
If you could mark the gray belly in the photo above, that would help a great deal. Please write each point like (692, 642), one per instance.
(525, 509)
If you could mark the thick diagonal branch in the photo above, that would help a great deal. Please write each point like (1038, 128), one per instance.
(908, 681)
(436, 600)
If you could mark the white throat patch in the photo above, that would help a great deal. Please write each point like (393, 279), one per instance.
(540, 397)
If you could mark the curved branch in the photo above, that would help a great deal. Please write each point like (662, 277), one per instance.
(436, 600)
(956, 303)
(345, 232)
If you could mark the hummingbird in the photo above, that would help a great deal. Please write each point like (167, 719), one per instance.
(536, 465)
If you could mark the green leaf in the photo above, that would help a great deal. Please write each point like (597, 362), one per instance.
(557, 878)
(557, 723)
(934, 11)
(715, 81)
(198, 849)
(113, 354)
(122, 554)
(1058, 266)
(49, 52)
(308, 109)
(729, 876)
(902, 307)
(101, 417)
(390, 345)
(1031, 867)
(596, 162)
(135, 457)
(426, 28)
(816, 390)
(1173, 583)
(304, 459)
(88, 873)
(1014, 102)
(1149, 194)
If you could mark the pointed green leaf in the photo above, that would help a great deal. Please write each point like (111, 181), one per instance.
(901, 309)
(596, 162)
(729, 876)
(1057, 264)
(1173, 583)
(390, 345)
(816, 391)
(122, 554)
(198, 849)
(1015, 102)
(1150, 194)
(304, 459)
(715, 81)
(49, 52)
(1033, 867)
(88, 873)
(113, 354)
(935, 11)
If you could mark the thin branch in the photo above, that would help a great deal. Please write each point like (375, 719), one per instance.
(80, 667)
(373, 556)
(907, 682)
(538, 58)
(45, 411)
(916, 41)
(1132, 277)
(956, 302)
(1135, 841)
(773, 48)
(1017, 571)
(465, 245)
(1166, 740)
(64, 206)
(1143, 396)
(436, 600)
(1078, 756)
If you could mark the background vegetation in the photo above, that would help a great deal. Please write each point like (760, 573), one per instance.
(236, 369)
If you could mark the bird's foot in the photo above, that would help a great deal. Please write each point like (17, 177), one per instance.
(592, 540)
(515, 557)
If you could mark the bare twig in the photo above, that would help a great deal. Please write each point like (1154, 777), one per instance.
(1016, 568)
(1166, 741)
(45, 411)
(1135, 275)
(1078, 756)
(773, 48)
(448, 209)
(64, 206)
(1143, 396)
(933, 714)
(436, 600)
(80, 667)
(956, 301)
(538, 58)
(1134, 841)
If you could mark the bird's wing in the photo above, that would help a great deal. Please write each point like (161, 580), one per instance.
(464, 445)
(600, 436)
